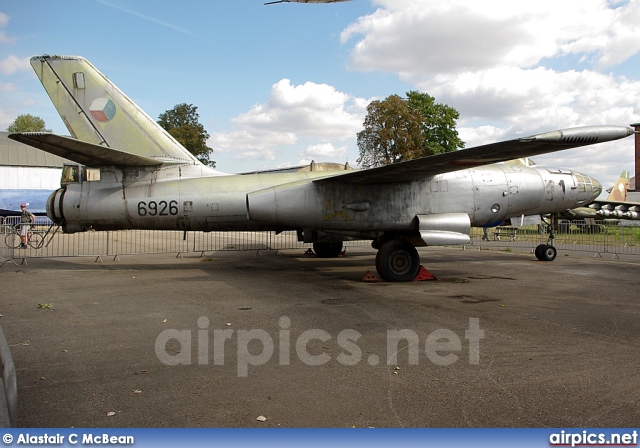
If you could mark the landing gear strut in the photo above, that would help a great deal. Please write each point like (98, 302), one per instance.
(548, 252)
(397, 261)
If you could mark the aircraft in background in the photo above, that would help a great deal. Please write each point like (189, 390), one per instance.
(306, 1)
(613, 208)
(619, 190)
(136, 176)
(616, 206)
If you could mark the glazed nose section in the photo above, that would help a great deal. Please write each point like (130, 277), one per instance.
(597, 187)
(588, 189)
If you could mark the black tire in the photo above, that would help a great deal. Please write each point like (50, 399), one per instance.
(549, 253)
(35, 240)
(328, 250)
(397, 261)
(12, 240)
(538, 251)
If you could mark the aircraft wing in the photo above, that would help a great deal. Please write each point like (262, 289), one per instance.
(484, 155)
(82, 152)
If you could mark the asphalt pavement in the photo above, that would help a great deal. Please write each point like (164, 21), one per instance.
(498, 340)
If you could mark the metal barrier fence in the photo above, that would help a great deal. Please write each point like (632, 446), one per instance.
(598, 239)
(9, 386)
(133, 242)
(6, 252)
(13, 220)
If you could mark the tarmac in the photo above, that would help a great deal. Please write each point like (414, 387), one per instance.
(282, 339)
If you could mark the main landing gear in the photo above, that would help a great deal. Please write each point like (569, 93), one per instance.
(328, 250)
(548, 252)
(397, 261)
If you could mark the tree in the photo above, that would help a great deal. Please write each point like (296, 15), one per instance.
(28, 123)
(392, 133)
(182, 123)
(397, 130)
(438, 124)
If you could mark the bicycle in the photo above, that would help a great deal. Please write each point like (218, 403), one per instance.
(13, 239)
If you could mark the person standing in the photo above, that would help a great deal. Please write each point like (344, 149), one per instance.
(26, 219)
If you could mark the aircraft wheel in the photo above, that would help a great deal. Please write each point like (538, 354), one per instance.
(397, 261)
(328, 250)
(549, 253)
(546, 252)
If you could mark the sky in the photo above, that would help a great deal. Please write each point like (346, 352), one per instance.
(284, 84)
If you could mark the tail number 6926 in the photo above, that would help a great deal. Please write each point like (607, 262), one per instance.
(162, 208)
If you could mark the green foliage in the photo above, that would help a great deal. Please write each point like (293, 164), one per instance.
(397, 129)
(438, 124)
(182, 123)
(28, 123)
(391, 134)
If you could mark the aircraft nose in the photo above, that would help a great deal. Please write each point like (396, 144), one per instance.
(597, 189)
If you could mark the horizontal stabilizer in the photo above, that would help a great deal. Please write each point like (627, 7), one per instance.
(82, 152)
(484, 155)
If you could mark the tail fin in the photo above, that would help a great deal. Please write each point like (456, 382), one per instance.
(619, 191)
(97, 112)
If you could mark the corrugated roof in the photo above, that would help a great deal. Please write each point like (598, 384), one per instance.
(13, 153)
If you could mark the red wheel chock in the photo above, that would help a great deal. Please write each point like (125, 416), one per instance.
(371, 277)
(424, 275)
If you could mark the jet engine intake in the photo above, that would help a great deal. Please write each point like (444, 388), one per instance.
(444, 229)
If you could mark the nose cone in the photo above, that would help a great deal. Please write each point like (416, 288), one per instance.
(597, 189)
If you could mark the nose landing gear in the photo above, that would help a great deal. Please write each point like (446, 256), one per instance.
(548, 252)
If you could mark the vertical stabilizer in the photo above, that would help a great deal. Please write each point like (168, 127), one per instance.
(619, 191)
(96, 111)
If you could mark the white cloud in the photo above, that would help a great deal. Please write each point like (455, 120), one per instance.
(244, 139)
(423, 37)
(510, 68)
(540, 97)
(326, 151)
(11, 65)
(266, 154)
(4, 21)
(4, 39)
(311, 111)
(7, 87)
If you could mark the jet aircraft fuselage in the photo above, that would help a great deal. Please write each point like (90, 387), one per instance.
(132, 174)
(140, 198)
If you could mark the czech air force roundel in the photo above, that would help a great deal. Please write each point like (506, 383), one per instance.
(102, 109)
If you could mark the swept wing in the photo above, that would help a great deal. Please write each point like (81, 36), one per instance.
(485, 155)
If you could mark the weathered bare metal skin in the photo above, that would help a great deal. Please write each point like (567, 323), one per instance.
(149, 181)
(291, 200)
